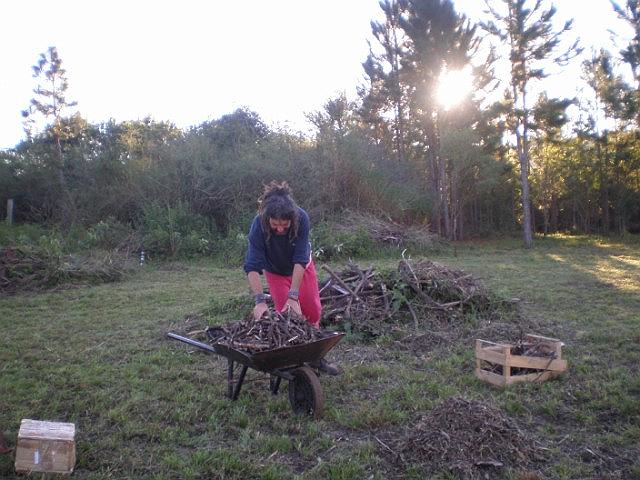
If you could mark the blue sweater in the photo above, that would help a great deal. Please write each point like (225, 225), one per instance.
(280, 254)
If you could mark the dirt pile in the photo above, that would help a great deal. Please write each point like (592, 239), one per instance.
(468, 438)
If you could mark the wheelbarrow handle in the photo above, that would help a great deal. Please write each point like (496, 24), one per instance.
(195, 343)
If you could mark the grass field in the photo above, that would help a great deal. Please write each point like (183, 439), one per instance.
(149, 407)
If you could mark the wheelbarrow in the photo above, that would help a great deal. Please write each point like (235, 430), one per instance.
(290, 363)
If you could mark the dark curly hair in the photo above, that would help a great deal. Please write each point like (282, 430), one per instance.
(277, 202)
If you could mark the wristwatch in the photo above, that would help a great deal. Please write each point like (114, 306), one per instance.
(260, 298)
(293, 294)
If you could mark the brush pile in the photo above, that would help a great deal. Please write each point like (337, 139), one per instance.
(273, 330)
(366, 299)
(467, 438)
(33, 269)
(387, 232)
(443, 288)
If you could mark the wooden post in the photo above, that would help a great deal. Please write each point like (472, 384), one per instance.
(506, 368)
(10, 211)
(3, 445)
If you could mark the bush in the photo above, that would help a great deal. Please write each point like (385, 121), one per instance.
(27, 233)
(171, 231)
(231, 249)
(110, 234)
(329, 243)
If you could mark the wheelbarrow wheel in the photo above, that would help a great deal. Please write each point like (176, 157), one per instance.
(305, 393)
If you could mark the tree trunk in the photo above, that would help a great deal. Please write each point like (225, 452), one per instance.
(67, 204)
(604, 188)
(554, 213)
(10, 211)
(444, 197)
(432, 178)
(527, 234)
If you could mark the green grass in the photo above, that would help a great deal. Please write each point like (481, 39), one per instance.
(149, 407)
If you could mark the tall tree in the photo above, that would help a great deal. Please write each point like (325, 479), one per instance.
(439, 40)
(629, 94)
(533, 44)
(385, 94)
(50, 103)
(630, 13)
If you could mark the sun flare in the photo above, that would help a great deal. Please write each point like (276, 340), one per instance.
(454, 86)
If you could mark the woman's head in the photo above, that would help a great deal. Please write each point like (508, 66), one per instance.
(278, 211)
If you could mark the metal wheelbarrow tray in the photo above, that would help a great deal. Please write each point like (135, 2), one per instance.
(289, 363)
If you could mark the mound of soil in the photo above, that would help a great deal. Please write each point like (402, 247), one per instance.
(469, 439)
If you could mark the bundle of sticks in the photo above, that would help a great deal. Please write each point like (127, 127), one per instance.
(273, 330)
(533, 349)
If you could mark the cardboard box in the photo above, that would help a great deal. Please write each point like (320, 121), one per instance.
(45, 447)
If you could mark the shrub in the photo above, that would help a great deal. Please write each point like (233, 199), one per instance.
(231, 249)
(111, 234)
(328, 242)
(27, 233)
(175, 231)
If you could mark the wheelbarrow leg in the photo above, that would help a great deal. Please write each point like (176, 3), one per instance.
(230, 378)
(234, 390)
(274, 384)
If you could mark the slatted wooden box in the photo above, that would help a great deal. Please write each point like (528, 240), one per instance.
(45, 447)
(496, 364)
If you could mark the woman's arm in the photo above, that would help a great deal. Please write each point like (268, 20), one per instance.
(296, 280)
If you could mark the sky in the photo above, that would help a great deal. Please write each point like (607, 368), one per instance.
(193, 61)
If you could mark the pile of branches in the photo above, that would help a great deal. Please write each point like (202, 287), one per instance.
(366, 299)
(273, 330)
(32, 269)
(442, 287)
(387, 232)
(467, 438)
(355, 295)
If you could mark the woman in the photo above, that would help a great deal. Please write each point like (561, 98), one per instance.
(279, 248)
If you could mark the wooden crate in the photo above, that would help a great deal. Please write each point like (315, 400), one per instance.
(497, 356)
(45, 447)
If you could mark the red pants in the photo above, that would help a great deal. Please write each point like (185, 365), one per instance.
(309, 295)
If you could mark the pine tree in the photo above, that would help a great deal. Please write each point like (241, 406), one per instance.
(439, 40)
(385, 93)
(50, 103)
(631, 56)
(533, 43)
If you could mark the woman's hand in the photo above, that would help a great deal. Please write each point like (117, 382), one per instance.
(293, 305)
(259, 310)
